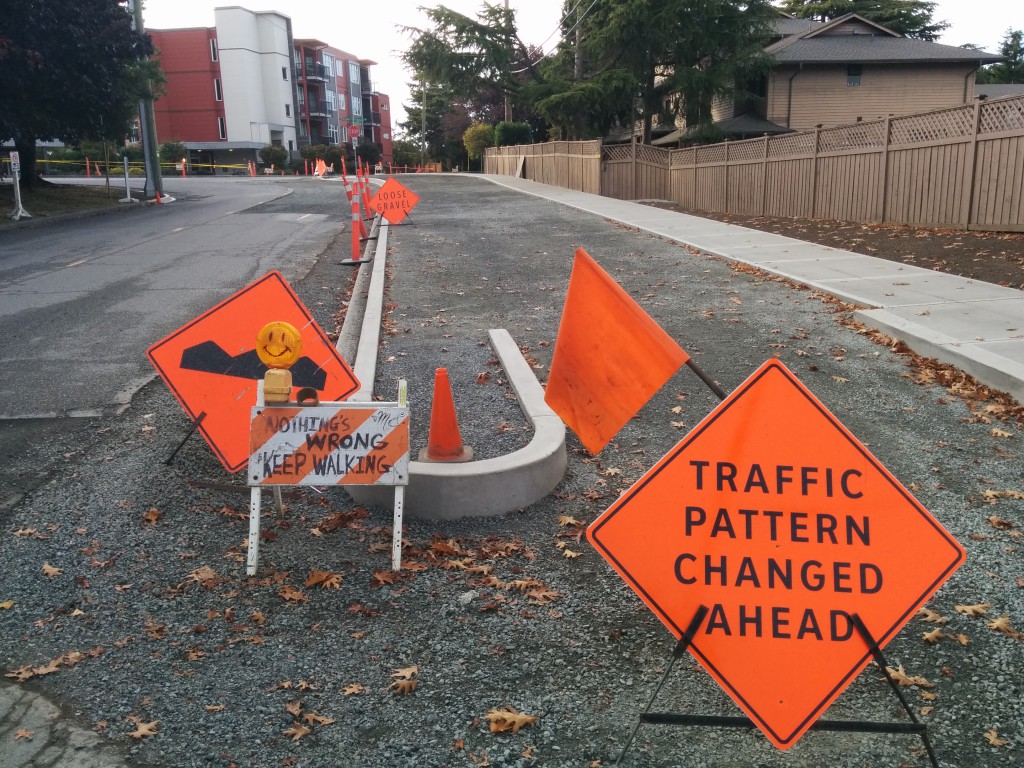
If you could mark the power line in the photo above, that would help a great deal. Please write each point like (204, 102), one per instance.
(567, 32)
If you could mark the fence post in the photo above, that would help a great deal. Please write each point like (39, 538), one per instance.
(972, 160)
(764, 177)
(727, 176)
(814, 180)
(632, 161)
(885, 172)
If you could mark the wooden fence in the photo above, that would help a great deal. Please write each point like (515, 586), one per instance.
(960, 168)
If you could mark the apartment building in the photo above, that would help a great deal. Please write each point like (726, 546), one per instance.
(248, 82)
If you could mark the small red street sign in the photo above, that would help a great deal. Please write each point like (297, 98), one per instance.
(354, 131)
(773, 515)
(393, 201)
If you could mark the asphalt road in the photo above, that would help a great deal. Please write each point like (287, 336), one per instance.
(82, 299)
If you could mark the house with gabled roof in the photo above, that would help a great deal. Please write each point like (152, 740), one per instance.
(843, 71)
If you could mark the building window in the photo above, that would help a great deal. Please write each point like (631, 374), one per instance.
(383, 107)
(213, 49)
(386, 136)
(853, 73)
(287, 110)
(332, 130)
(328, 61)
(330, 100)
(284, 73)
(353, 72)
(341, 102)
(218, 94)
(222, 129)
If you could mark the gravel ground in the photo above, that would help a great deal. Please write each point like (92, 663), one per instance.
(131, 573)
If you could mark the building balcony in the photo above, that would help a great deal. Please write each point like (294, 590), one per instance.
(317, 73)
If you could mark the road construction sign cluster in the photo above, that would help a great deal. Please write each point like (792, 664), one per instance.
(329, 445)
(776, 518)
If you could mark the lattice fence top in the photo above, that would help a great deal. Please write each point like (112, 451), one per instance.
(932, 126)
(752, 149)
(1002, 115)
(616, 152)
(681, 158)
(712, 153)
(653, 155)
(791, 144)
(856, 136)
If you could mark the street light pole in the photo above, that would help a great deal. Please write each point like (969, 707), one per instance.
(423, 124)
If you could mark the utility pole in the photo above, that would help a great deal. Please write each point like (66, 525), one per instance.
(147, 118)
(423, 124)
(508, 42)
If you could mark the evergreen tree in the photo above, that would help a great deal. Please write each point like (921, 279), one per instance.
(910, 18)
(1011, 70)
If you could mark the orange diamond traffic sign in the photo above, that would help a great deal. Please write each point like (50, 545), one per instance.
(393, 201)
(212, 367)
(776, 518)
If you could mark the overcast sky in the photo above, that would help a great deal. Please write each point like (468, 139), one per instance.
(370, 29)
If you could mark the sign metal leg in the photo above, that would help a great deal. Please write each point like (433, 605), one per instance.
(252, 559)
(191, 431)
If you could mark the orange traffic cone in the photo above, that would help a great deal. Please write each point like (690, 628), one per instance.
(444, 441)
(158, 200)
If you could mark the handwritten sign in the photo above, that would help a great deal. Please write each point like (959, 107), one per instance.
(329, 445)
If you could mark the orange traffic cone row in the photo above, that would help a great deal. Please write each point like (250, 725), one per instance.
(444, 441)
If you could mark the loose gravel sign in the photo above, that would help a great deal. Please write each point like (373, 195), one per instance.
(393, 201)
(774, 516)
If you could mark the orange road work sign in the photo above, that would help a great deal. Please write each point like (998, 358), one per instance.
(329, 445)
(610, 356)
(212, 367)
(776, 518)
(393, 201)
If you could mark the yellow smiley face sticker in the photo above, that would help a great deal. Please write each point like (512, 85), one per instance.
(278, 344)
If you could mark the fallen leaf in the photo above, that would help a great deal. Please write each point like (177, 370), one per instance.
(508, 720)
(353, 689)
(1002, 624)
(570, 554)
(934, 636)
(6, 605)
(406, 673)
(291, 594)
(901, 678)
(151, 516)
(1000, 433)
(931, 616)
(404, 687)
(973, 610)
(315, 718)
(326, 579)
(993, 738)
(297, 731)
(24, 733)
(144, 729)
(50, 571)
(214, 707)
(293, 708)
(997, 522)
(566, 520)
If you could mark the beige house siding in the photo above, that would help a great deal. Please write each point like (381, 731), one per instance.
(819, 94)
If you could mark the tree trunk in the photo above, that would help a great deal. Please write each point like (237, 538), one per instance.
(26, 148)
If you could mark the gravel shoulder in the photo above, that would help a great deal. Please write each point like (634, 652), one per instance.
(129, 602)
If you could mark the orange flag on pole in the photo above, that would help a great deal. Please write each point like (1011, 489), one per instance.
(610, 356)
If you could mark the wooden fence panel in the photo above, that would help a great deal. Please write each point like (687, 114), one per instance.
(999, 184)
(790, 188)
(959, 167)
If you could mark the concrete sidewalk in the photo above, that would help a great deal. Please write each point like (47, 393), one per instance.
(977, 327)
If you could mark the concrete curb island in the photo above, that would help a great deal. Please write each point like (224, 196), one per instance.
(485, 488)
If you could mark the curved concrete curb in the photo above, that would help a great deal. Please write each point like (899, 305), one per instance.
(484, 488)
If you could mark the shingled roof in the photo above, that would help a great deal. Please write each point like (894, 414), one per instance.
(827, 44)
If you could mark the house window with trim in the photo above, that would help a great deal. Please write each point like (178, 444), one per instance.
(287, 110)
(284, 73)
(222, 129)
(218, 93)
(341, 102)
(853, 73)
(213, 49)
